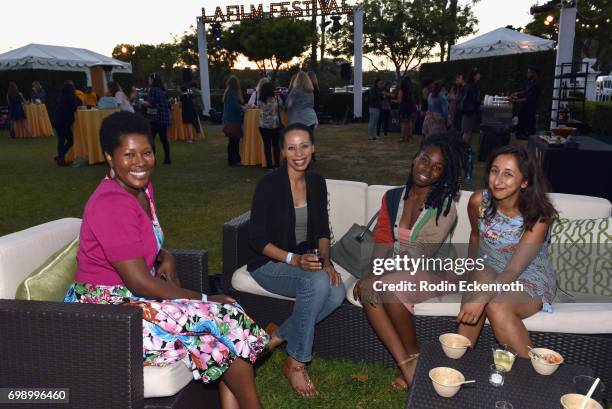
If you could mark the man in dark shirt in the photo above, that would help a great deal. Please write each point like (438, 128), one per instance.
(528, 98)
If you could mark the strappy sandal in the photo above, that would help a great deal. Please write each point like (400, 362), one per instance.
(288, 370)
(399, 383)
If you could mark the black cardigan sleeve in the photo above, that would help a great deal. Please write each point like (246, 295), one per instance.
(259, 215)
(323, 228)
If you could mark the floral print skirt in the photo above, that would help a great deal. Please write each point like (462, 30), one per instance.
(207, 335)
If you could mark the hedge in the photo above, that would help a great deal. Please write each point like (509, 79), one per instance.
(602, 124)
(502, 75)
(51, 81)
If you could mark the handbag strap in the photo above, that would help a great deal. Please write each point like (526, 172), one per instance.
(367, 227)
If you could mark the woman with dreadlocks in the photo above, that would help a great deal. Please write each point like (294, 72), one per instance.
(414, 220)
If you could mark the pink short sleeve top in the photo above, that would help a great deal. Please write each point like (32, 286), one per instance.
(115, 228)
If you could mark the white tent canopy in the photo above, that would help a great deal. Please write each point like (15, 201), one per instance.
(57, 58)
(502, 41)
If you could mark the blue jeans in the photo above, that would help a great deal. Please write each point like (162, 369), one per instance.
(315, 299)
(374, 115)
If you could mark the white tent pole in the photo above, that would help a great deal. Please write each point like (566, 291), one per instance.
(565, 52)
(358, 61)
(203, 57)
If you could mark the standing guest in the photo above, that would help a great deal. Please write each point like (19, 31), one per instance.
(437, 111)
(288, 218)
(254, 98)
(407, 109)
(470, 114)
(121, 261)
(78, 91)
(115, 90)
(270, 106)
(454, 96)
(385, 109)
(232, 119)
(375, 96)
(197, 98)
(39, 95)
(300, 102)
(64, 119)
(425, 90)
(159, 113)
(17, 115)
(511, 219)
(528, 98)
(188, 112)
(291, 81)
(470, 105)
(91, 98)
(316, 91)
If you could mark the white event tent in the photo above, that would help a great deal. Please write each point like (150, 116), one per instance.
(502, 41)
(58, 58)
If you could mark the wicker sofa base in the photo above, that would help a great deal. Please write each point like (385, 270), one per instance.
(346, 334)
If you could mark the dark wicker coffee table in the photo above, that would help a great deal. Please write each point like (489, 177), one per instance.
(523, 387)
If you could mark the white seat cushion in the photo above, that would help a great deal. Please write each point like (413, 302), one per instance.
(244, 282)
(586, 314)
(165, 380)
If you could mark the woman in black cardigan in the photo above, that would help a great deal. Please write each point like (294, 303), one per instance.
(288, 218)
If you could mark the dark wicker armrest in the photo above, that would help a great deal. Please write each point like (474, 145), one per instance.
(236, 248)
(94, 350)
(192, 267)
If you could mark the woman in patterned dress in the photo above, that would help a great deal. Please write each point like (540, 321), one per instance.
(510, 221)
(121, 261)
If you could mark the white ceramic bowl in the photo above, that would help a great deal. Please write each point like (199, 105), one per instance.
(454, 345)
(573, 401)
(446, 381)
(542, 366)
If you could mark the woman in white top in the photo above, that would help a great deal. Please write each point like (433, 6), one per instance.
(114, 89)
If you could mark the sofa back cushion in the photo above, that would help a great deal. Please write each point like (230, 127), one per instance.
(50, 280)
(581, 253)
(22, 252)
(346, 205)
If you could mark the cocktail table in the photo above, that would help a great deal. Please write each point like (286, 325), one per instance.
(523, 387)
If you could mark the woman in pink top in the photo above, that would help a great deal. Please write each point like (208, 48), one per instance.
(121, 261)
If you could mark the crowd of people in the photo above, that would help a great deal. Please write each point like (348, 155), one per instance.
(121, 259)
(300, 103)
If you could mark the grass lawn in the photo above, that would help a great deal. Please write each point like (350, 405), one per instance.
(195, 196)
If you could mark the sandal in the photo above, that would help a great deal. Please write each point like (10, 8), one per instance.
(400, 383)
(288, 371)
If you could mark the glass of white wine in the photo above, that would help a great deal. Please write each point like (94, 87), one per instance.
(503, 357)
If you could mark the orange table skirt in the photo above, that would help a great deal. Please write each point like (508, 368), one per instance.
(86, 132)
(178, 131)
(251, 145)
(38, 122)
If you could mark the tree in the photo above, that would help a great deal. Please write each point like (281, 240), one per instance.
(451, 20)
(148, 58)
(593, 31)
(220, 59)
(270, 43)
(405, 32)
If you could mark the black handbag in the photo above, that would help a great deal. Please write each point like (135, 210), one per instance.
(354, 250)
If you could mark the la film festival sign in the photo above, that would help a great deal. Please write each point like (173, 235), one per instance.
(297, 8)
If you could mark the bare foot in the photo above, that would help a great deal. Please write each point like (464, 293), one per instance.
(297, 375)
(275, 340)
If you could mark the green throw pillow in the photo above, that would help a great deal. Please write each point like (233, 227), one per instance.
(50, 281)
(581, 253)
